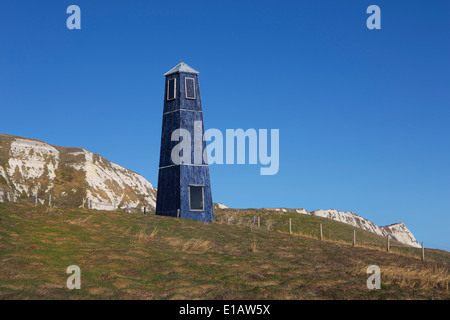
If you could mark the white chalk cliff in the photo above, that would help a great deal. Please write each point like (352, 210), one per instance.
(401, 233)
(71, 175)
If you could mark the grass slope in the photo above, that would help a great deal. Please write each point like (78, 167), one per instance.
(132, 256)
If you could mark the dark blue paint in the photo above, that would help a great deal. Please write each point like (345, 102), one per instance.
(174, 180)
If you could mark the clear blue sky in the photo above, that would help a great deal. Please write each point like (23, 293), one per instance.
(363, 114)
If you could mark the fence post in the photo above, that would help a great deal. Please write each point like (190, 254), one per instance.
(145, 210)
(254, 220)
(259, 223)
(388, 245)
(35, 198)
(290, 226)
(354, 237)
(90, 204)
(423, 252)
(178, 213)
(321, 233)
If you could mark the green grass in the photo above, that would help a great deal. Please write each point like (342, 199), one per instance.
(3, 181)
(135, 256)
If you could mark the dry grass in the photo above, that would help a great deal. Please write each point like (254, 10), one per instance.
(53, 211)
(234, 218)
(227, 218)
(269, 224)
(80, 221)
(413, 276)
(190, 245)
(392, 250)
(126, 232)
(144, 237)
(254, 245)
(197, 245)
(254, 242)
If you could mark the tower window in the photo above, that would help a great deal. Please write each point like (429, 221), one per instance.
(171, 89)
(196, 202)
(189, 88)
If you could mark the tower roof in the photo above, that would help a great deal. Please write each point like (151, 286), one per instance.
(181, 67)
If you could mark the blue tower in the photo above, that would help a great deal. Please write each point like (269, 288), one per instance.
(184, 188)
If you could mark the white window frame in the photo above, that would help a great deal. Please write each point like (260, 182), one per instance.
(185, 86)
(203, 196)
(174, 89)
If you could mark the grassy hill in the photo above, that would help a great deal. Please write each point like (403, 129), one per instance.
(135, 256)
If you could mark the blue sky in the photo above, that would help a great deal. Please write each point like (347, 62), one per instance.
(363, 114)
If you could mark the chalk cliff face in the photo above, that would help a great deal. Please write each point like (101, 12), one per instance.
(72, 176)
(400, 233)
(348, 218)
(302, 211)
(219, 206)
(397, 231)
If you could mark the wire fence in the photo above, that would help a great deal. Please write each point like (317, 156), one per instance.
(322, 229)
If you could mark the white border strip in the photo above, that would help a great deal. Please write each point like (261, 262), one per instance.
(185, 164)
(182, 110)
